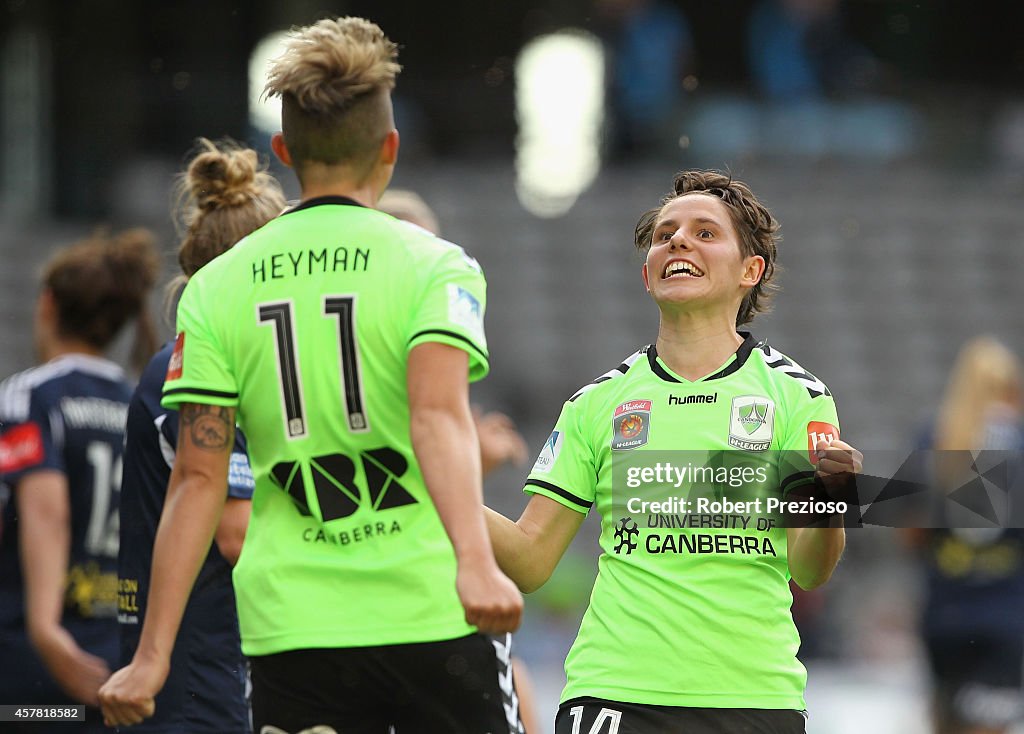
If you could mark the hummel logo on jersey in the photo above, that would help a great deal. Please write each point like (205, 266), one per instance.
(692, 399)
(777, 360)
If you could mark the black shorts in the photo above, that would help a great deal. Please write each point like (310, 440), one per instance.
(977, 679)
(460, 686)
(597, 716)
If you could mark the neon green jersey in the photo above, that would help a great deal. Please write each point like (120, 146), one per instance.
(691, 606)
(306, 326)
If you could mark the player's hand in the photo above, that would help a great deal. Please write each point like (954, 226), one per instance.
(838, 462)
(500, 442)
(79, 673)
(838, 457)
(128, 697)
(492, 602)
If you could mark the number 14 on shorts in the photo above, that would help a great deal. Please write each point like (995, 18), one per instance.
(604, 715)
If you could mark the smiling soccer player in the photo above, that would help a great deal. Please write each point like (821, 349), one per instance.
(688, 627)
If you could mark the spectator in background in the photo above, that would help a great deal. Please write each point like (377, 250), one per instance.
(651, 52)
(973, 621)
(799, 50)
(223, 197)
(61, 443)
(822, 88)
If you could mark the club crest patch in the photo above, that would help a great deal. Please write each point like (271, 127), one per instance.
(631, 425)
(751, 423)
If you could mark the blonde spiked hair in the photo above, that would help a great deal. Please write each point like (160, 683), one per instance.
(332, 62)
(334, 79)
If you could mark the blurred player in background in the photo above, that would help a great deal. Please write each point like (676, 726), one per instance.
(973, 623)
(675, 639)
(345, 341)
(61, 445)
(500, 442)
(223, 197)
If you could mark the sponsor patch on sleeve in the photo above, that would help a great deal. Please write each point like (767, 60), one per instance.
(177, 363)
(549, 454)
(819, 431)
(240, 473)
(464, 310)
(21, 448)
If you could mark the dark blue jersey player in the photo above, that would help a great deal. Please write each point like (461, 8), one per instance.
(205, 691)
(225, 197)
(61, 444)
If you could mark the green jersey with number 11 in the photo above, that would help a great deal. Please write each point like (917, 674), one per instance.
(691, 606)
(305, 326)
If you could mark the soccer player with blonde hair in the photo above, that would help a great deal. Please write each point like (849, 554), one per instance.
(342, 340)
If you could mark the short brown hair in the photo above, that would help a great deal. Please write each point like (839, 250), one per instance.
(334, 79)
(757, 228)
(100, 283)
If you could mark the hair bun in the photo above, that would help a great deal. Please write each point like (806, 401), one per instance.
(222, 177)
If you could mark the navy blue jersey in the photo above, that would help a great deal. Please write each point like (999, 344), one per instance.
(976, 574)
(205, 691)
(69, 416)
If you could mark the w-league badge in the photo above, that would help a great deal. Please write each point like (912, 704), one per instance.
(631, 425)
(751, 423)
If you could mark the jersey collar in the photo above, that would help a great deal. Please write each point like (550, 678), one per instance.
(741, 355)
(318, 200)
(87, 363)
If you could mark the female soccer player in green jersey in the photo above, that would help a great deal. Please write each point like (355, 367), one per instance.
(689, 626)
(344, 341)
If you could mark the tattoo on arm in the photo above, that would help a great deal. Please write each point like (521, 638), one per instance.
(210, 427)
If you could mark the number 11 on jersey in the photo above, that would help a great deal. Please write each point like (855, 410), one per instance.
(280, 315)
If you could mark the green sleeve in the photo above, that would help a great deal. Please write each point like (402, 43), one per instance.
(451, 309)
(809, 419)
(565, 470)
(198, 371)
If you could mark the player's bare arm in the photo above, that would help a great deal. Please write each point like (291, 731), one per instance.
(814, 553)
(44, 541)
(231, 529)
(444, 439)
(195, 500)
(529, 549)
